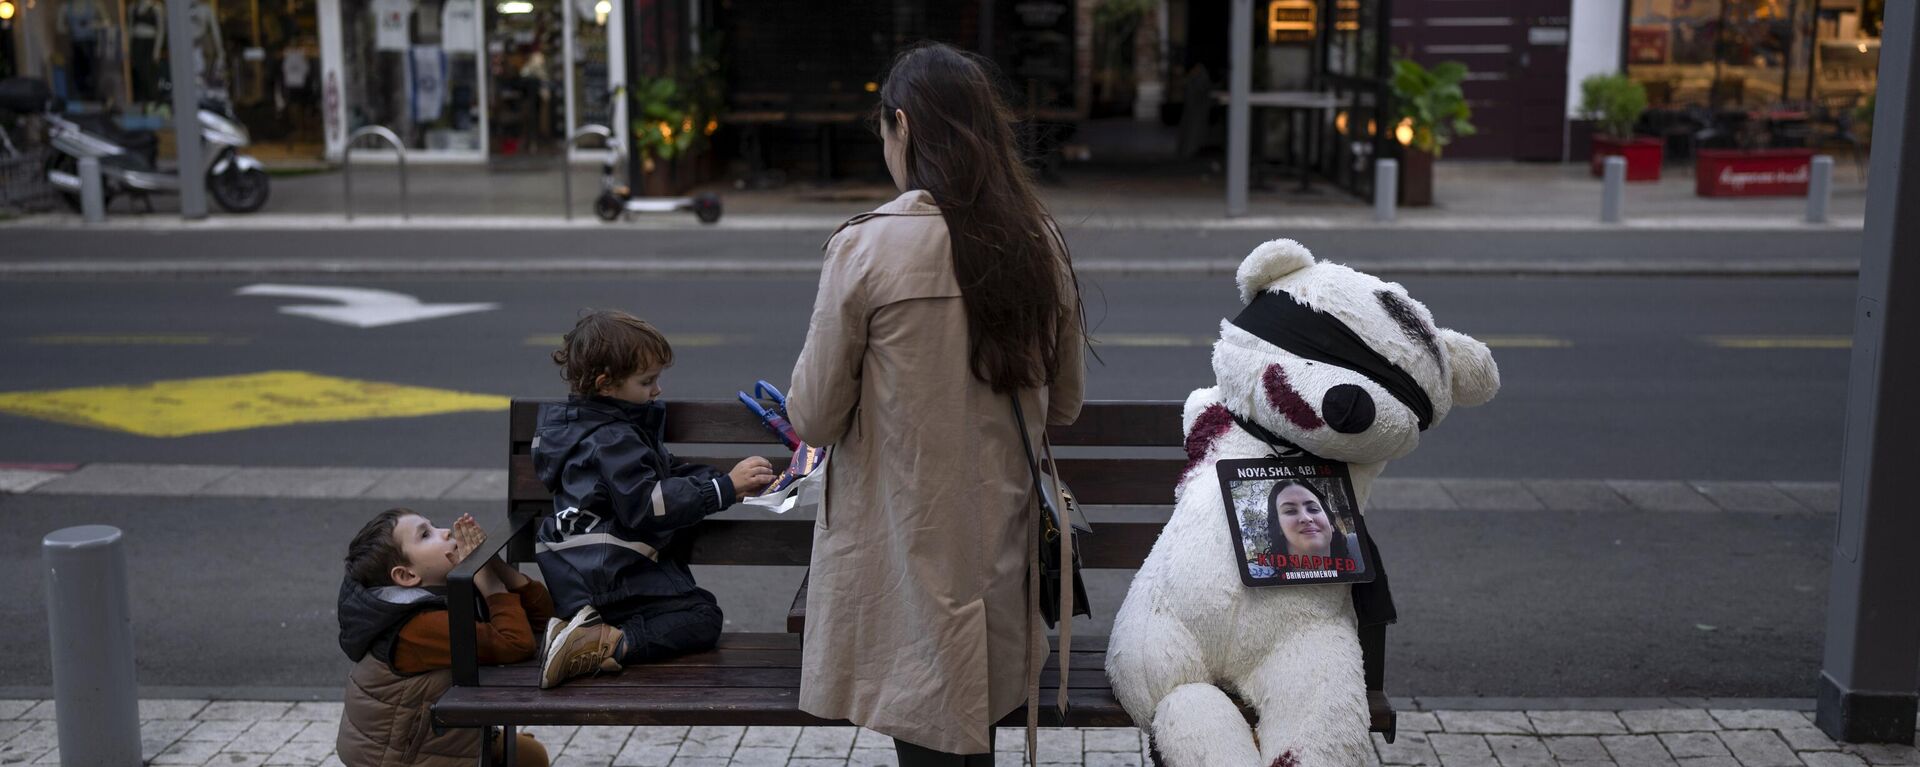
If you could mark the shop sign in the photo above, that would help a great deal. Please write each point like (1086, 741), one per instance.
(1762, 173)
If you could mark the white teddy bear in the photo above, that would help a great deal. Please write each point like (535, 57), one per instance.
(1343, 366)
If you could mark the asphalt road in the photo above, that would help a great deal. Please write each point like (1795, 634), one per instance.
(1721, 379)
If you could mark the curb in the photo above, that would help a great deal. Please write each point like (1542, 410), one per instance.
(685, 267)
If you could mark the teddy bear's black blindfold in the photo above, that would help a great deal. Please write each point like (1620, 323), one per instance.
(1280, 320)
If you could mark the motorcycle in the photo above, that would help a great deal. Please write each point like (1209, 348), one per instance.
(236, 181)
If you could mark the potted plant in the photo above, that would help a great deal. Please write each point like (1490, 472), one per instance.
(1433, 111)
(1615, 103)
(669, 124)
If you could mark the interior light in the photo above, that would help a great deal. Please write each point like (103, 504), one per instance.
(873, 87)
(1863, 47)
(601, 10)
(6, 10)
(514, 7)
(1340, 123)
(1404, 132)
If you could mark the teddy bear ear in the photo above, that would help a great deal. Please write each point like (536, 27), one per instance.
(1271, 261)
(1475, 376)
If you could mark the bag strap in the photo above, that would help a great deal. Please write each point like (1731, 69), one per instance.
(1061, 527)
(1065, 523)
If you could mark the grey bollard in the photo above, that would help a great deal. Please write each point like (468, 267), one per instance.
(1615, 176)
(92, 634)
(93, 206)
(1386, 188)
(1819, 189)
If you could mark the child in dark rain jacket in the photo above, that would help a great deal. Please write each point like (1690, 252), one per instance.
(618, 498)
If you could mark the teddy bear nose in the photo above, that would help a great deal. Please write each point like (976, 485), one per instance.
(1348, 409)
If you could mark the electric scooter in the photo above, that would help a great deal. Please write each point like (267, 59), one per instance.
(236, 181)
(617, 200)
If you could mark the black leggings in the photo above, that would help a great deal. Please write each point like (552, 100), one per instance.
(661, 628)
(921, 756)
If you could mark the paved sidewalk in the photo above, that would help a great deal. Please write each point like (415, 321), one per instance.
(1631, 733)
(1389, 493)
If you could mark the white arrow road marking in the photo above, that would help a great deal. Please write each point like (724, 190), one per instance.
(361, 307)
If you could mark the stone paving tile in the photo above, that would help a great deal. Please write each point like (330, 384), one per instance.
(1669, 720)
(1684, 745)
(193, 752)
(480, 485)
(1009, 739)
(1492, 495)
(12, 709)
(157, 734)
(661, 735)
(13, 753)
(1576, 723)
(598, 741)
(1577, 495)
(711, 742)
(1486, 722)
(1752, 719)
(317, 732)
(50, 757)
(235, 759)
(1520, 751)
(790, 763)
(638, 754)
(43, 710)
(136, 479)
(824, 743)
(218, 730)
(1577, 748)
(293, 482)
(12, 727)
(1807, 739)
(265, 736)
(1059, 745)
(1637, 750)
(1759, 748)
(873, 757)
(1884, 753)
(1832, 759)
(1114, 759)
(1417, 721)
(414, 484)
(1397, 494)
(301, 752)
(1451, 745)
(752, 756)
(315, 711)
(249, 710)
(768, 737)
(165, 708)
(1661, 495)
(1111, 739)
(1009, 759)
(1749, 496)
(1408, 748)
(1822, 497)
(870, 739)
(1709, 761)
(589, 761)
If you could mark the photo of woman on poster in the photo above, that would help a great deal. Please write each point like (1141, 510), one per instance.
(1299, 522)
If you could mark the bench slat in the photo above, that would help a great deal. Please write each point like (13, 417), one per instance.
(756, 706)
(1101, 423)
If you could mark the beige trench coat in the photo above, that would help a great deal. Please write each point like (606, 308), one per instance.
(917, 618)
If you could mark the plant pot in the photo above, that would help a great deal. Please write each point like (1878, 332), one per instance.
(1752, 173)
(669, 178)
(1416, 178)
(1643, 156)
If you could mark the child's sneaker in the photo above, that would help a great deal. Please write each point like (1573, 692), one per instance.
(585, 645)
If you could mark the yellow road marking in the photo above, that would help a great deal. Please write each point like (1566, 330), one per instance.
(135, 339)
(1780, 342)
(679, 341)
(189, 406)
(1524, 342)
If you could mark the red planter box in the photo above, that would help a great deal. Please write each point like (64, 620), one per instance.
(1643, 156)
(1752, 173)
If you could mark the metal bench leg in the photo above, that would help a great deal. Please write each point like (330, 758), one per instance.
(486, 747)
(509, 746)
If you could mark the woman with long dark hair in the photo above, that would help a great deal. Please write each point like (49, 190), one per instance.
(934, 311)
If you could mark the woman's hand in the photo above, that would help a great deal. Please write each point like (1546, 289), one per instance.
(751, 476)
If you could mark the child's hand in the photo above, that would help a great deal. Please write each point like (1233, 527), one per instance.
(467, 537)
(751, 476)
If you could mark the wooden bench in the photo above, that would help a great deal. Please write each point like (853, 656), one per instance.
(754, 678)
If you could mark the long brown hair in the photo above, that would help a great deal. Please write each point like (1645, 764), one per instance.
(1011, 262)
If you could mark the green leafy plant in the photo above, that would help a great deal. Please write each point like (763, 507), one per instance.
(1614, 102)
(1431, 103)
(664, 124)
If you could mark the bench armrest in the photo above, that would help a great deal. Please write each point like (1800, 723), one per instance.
(462, 633)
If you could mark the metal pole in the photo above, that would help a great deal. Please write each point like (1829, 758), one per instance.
(183, 49)
(1615, 191)
(92, 639)
(400, 153)
(1386, 188)
(1872, 658)
(1240, 83)
(93, 206)
(1819, 189)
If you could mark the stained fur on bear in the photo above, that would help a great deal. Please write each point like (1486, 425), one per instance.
(1190, 638)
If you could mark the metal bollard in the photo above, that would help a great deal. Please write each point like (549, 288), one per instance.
(1615, 174)
(92, 634)
(93, 205)
(1386, 188)
(1819, 189)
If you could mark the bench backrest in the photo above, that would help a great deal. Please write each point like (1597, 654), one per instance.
(695, 428)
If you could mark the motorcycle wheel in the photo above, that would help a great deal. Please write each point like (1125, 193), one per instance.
(608, 206)
(707, 208)
(239, 190)
(71, 165)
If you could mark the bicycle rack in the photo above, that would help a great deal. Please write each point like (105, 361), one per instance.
(566, 168)
(398, 148)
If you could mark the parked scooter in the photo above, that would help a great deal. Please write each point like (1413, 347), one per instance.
(617, 199)
(236, 181)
